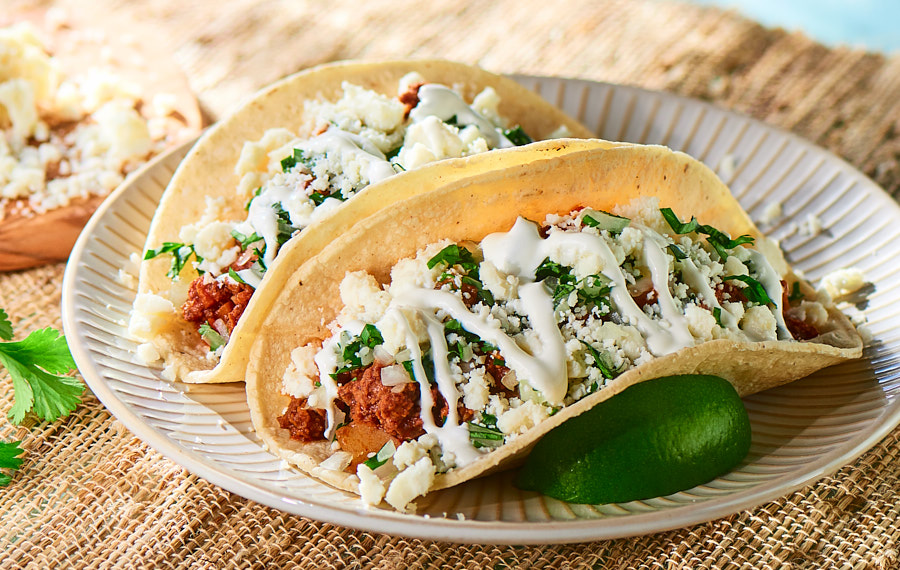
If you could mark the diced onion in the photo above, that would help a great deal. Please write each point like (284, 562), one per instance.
(509, 380)
(337, 462)
(382, 356)
(394, 375)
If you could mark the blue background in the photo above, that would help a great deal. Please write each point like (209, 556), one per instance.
(870, 24)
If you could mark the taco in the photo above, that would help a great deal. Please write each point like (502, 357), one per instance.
(290, 158)
(77, 115)
(440, 338)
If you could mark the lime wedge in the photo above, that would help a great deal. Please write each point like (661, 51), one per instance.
(653, 439)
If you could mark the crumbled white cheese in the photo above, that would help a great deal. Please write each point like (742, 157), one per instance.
(842, 282)
(300, 377)
(412, 451)
(147, 353)
(700, 322)
(50, 167)
(371, 487)
(771, 213)
(520, 419)
(503, 287)
(727, 166)
(811, 225)
(150, 313)
(363, 297)
(410, 483)
(759, 324)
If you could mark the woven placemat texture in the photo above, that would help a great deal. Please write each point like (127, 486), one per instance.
(90, 494)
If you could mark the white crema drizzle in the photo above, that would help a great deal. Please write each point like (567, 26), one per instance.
(519, 252)
(445, 103)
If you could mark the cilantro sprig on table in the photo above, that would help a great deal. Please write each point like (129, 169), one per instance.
(37, 366)
(9, 459)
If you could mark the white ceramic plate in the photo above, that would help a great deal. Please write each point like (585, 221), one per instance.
(801, 432)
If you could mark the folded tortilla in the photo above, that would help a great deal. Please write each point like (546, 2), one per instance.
(208, 176)
(465, 211)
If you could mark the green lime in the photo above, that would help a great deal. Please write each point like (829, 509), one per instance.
(652, 439)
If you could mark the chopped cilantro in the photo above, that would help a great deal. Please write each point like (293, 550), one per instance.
(37, 366)
(181, 253)
(560, 280)
(318, 197)
(605, 221)
(369, 337)
(211, 336)
(717, 313)
(9, 459)
(391, 154)
(485, 295)
(234, 275)
(601, 362)
(483, 436)
(676, 252)
(796, 294)
(517, 136)
(298, 157)
(250, 201)
(754, 291)
(380, 458)
(244, 240)
(454, 255)
(677, 226)
(285, 229)
(719, 240)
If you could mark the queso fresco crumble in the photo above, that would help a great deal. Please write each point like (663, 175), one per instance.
(68, 137)
(289, 181)
(465, 350)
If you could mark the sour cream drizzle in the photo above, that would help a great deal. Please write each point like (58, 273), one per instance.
(521, 250)
(452, 436)
(444, 103)
(771, 282)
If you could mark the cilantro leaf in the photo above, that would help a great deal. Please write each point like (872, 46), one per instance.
(36, 366)
(181, 253)
(380, 458)
(244, 240)
(298, 157)
(6, 331)
(676, 252)
(9, 452)
(484, 436)
(677, 225)
(601, 361)
(211, 336)
(517, 136)
(754, 291)
(719, 240)
(454, 255)
(796, 294)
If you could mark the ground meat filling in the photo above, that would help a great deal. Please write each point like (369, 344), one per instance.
(217, 303)
(304, 424)
(394, 410)
(410, 98)
(799, 329)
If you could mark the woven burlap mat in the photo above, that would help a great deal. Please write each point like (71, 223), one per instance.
(92, 495)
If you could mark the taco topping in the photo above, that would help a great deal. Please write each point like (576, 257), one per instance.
(467, 349)
(290, 181)
(65, 138)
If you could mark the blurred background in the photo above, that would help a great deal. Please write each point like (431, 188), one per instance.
(868, 24)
